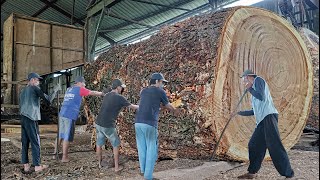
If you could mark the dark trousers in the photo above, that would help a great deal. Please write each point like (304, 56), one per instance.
(266, 136)
(30, 134)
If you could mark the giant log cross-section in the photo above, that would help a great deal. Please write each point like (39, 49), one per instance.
(203, 57)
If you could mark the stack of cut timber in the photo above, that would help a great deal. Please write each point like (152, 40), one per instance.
(312, 41)
(203, 57)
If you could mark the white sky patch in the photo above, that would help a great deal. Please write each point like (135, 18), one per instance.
(242, 3)
(5, 140)
(57, 75)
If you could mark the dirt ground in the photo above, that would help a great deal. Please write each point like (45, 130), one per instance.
(83, 165)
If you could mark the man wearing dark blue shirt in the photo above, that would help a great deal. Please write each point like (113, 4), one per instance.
(146, 123)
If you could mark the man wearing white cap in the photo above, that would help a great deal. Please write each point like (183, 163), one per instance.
(69, 113)
(112, 103)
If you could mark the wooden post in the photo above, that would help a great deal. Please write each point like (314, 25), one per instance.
(57, 140)
(8, 32)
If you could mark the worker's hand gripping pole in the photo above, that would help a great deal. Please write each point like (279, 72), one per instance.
(231, 117)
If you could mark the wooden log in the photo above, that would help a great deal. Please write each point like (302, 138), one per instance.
(203, 57)
(312, 41)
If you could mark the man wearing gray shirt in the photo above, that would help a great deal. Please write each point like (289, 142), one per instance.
(29, 103)
(266, 134)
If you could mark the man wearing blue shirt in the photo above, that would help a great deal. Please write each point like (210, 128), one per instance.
(146, 123)
(69, 113)
(266, 135)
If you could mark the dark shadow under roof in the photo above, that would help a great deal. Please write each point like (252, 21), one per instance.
(128, 21)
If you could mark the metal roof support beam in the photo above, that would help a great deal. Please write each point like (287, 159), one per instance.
(43, 8)
(124, 29)
(152, 14)
(162, 5)
(313, 4)
(112, 14)
(213, 3)
(2, 1)
(111, 41)
(148, 31)
(307, 15)
(74, 2)
(96, 7)
(93, 9)
(94, 38)
(62, 11)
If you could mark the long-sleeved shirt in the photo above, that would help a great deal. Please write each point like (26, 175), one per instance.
(29, 101)
(262, 103)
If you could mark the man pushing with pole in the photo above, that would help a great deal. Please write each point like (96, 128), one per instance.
(266, 134)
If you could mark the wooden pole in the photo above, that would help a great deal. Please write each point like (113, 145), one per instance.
(57, 140)
(224, 129)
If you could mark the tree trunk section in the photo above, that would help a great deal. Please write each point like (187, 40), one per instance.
(203, 57)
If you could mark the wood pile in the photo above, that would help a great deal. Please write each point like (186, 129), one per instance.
(312, 41)
(203, 57)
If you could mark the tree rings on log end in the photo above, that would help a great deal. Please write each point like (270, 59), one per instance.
(203, 57)
(262, 41)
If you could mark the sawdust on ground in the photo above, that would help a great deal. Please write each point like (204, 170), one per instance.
(83, 163)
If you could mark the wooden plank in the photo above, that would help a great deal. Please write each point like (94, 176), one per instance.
(20, 16)
(68, 40)
(31, 32)
(7, 56)
(71, 59)
(72, 38)
(17, 129)
(13, 82)
(57, 36)
(9, 106)
(31, 59)
(51, 47)
(56, 60)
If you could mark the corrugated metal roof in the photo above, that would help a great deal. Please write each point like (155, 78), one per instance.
(149, 14)
(52, 15)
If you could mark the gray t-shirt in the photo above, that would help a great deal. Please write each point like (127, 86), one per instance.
(110, 109)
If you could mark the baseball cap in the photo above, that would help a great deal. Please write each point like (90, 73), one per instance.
(247, 72)
(34, 75)
(79, 79)
(116, 83)
(158, 76)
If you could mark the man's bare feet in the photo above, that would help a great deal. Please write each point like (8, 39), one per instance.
(26, 167)
(119, 169)
(65, 160)
(40, 168)
(247, 176)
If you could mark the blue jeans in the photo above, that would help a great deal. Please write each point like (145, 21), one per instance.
(147, 142)
(30, 134)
